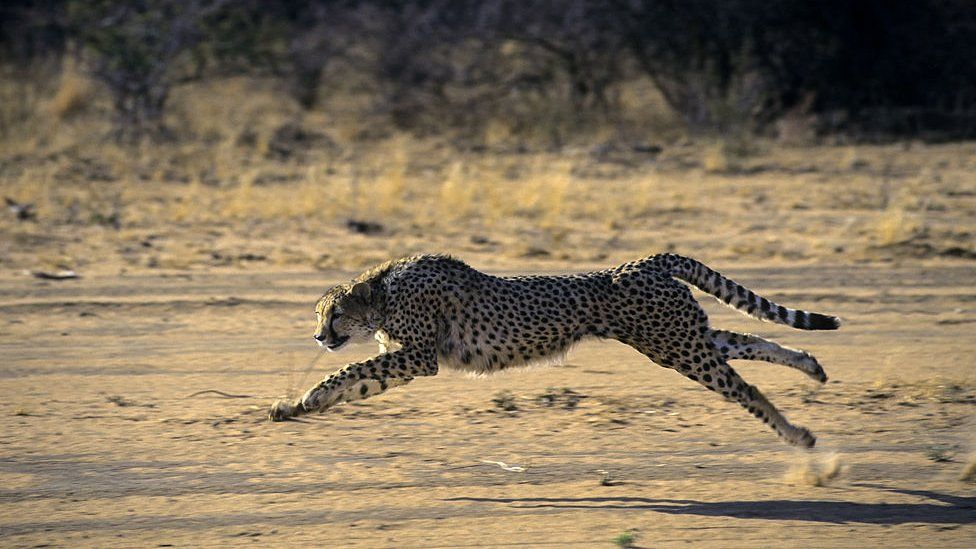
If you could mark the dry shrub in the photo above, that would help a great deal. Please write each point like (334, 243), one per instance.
(646, 112)
(724, 156)
(496, 133)
(810, 471)
(314, 196)
(715, 159)
(33, 185)
(457, 194)
(894, 226)
(242, 110)
(241, 202)
(24, 96)
(59, 199)
(322, 195)
(852, 160)
(489, 191)
(555, 204)
(74, 95)
(642, 195)
(544, 196)
(728, 154)
(497, 202)
(390, 187)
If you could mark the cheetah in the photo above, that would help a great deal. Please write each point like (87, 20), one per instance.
(428, 311)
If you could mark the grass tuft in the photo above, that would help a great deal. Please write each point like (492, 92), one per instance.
(969, 471)
(895, 226)
(625, 540)
(726, 156)
(74, 95)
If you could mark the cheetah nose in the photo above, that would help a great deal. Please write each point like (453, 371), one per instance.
(318, 337)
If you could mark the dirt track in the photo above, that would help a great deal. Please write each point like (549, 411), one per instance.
(104, 445)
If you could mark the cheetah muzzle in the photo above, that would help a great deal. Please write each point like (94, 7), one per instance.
(437, 311)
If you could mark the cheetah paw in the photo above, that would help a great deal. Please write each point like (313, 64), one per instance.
(804, 438)
(281, 411)
(813, 368)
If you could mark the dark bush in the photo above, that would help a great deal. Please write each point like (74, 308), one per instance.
(722, 65)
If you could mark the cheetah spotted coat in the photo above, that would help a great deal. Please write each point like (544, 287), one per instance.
(441, 312)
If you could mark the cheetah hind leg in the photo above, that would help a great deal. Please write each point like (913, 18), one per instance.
(716, 375)
(733, 345)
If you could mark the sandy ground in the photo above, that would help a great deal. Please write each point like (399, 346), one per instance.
(196, 279)
(106, 444)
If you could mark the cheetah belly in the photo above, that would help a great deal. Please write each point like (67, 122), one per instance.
(483, 354)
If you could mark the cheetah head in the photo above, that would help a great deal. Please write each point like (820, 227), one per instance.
(345, 312)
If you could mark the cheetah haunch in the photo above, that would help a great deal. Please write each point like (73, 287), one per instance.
(439, 311)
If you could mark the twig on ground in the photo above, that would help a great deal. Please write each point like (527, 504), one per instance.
(216, 392)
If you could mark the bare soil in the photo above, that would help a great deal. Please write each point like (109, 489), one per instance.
(110, 442)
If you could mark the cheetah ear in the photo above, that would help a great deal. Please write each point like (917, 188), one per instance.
(361, 291)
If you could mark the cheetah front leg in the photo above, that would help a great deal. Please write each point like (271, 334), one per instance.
(734, 345)
(359, 381)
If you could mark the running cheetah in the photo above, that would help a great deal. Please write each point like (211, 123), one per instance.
(437, 310)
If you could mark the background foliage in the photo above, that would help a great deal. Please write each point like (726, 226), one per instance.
(867, 67)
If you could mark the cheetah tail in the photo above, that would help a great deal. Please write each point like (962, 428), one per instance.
(738, 296)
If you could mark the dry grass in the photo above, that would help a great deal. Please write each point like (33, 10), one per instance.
(853, 159)
(542, 195)
(969, 471)
(895, 226)
(717, 160)
(728, 155)
(458, 195)
(391, 186)
(230, 166)
(74, 95)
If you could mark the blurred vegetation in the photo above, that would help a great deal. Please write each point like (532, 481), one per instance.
(867, 68)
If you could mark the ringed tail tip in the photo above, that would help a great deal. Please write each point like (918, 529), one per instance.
(817, 321)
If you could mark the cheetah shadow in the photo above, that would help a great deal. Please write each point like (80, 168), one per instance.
(949, 510)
